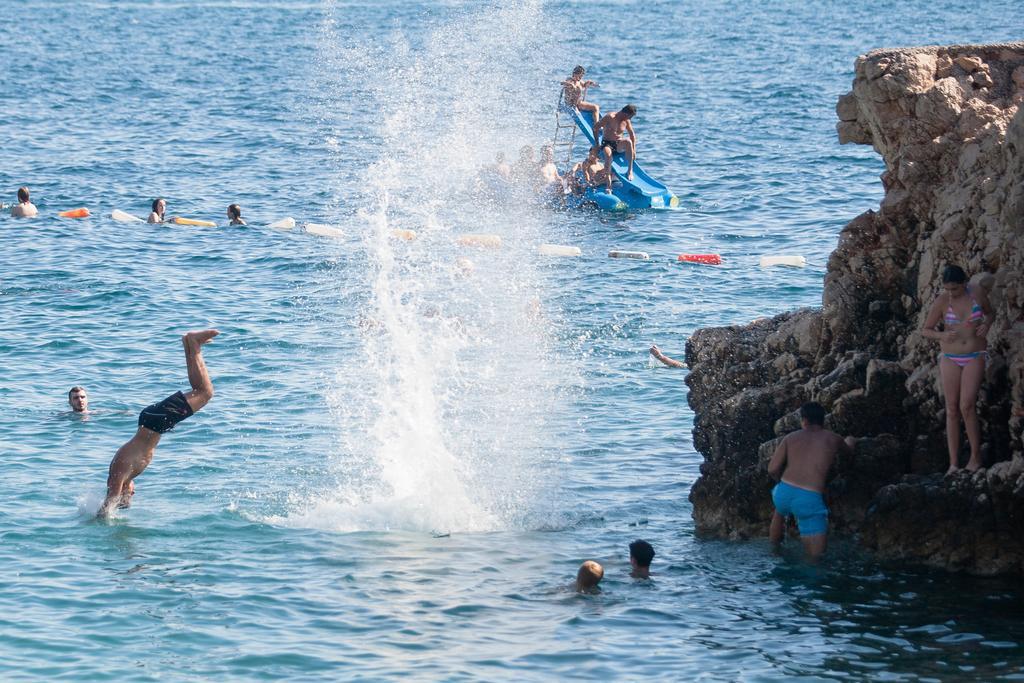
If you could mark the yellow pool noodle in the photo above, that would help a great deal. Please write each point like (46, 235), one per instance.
(178, 220)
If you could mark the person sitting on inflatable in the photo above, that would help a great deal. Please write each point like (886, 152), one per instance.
(573, 92)
(548, 171)
(616, 134)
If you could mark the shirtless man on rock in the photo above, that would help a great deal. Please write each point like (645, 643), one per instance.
(801, 464)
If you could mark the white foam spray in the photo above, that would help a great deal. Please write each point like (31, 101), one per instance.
(444, 413)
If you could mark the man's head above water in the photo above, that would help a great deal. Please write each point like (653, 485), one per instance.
(78, 399)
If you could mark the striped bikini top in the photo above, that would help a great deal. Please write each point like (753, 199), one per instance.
(975, 315)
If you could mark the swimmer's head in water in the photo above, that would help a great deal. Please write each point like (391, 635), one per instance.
(579, 71)
(23, 194)
(589, 575)
(159, 206)
(813, 413)
(234, 212)
(500, 157)
(78, 399)
(526, 152)
(641, 553)
(629, 111)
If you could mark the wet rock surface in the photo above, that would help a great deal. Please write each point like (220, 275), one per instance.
(947, 122)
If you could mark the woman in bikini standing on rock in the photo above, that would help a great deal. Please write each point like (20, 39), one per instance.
(964, 314)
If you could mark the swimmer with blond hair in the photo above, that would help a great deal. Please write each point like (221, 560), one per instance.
(588, 576)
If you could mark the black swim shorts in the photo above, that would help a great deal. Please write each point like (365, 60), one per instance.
(614, 144)
(161, 417)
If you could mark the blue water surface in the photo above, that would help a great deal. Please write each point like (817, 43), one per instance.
(409, 455)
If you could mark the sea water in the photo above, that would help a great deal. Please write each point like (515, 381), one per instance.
(413, 445)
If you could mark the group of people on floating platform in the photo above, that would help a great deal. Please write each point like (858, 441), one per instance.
(613, 131)
(959, 319)
(26, 209)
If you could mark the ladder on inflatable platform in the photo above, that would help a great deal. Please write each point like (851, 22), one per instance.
(564, 130)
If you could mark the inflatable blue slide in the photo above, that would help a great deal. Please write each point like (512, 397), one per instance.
(642, 192)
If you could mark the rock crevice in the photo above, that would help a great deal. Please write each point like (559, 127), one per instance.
(948, 124)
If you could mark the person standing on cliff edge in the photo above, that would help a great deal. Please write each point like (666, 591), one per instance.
(801, 464)
(965, 314)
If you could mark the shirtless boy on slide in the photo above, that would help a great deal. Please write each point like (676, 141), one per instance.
(573, 92)
(801, 464)
(133, 457)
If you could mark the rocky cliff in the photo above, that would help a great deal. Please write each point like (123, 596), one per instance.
(948, 123)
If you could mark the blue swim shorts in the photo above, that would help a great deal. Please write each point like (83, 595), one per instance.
(807, 506)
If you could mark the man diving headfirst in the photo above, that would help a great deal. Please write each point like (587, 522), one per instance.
(133, 457)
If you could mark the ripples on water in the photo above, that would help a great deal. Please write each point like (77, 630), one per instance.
(369, 393)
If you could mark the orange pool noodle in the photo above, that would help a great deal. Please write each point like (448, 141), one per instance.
(706, 259)
(75, 213)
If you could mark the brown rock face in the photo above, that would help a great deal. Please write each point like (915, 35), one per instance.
(971, 523)
(947, 122)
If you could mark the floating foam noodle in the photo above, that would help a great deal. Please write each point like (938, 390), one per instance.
(283, 224)
(704, 259)
(617, 253)
(324, 230)
(791, 261)
(403, 234)
(478, 240)
(178, 220)
(75, 213)
(125, 217)
(558, 250)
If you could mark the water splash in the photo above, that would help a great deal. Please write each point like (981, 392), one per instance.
(444, 414)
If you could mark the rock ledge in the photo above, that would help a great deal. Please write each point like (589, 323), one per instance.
(947, 122)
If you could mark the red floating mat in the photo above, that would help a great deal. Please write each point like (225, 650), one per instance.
(706, 259)
(75, 213)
